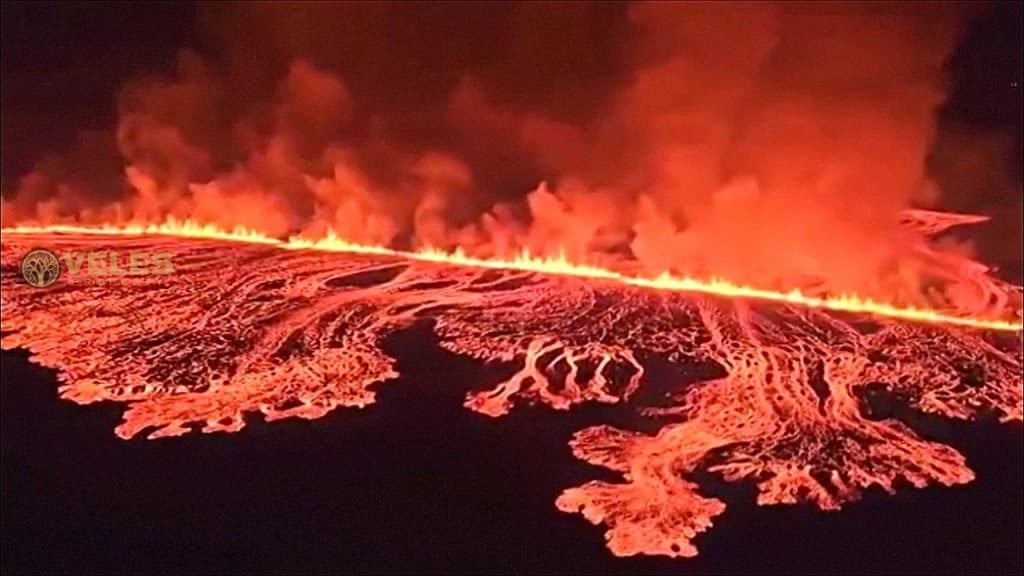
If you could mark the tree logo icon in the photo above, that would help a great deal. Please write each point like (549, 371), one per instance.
(40, 268)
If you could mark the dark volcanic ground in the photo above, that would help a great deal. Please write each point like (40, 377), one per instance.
(418, 484)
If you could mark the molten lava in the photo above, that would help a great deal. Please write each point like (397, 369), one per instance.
(530, 263)
(778, 389)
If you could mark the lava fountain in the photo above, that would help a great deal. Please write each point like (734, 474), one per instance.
(773, 388)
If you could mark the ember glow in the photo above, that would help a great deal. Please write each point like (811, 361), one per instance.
(559, 265)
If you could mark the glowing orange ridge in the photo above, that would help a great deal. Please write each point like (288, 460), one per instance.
(528, 262)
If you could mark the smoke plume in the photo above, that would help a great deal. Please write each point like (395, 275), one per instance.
(774, 144)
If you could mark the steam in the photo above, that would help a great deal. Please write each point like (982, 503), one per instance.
(769, 144)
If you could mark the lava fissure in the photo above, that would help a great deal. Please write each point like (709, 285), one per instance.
(547, 265)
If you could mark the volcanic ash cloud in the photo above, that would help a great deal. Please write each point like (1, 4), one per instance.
(773, 144)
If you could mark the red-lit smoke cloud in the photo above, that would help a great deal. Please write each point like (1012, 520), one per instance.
(767, 143)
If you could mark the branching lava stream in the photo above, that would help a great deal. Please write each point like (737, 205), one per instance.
(243, 327)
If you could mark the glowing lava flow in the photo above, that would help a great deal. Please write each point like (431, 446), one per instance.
(806, 405)
(545, 265)
(170, 227)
